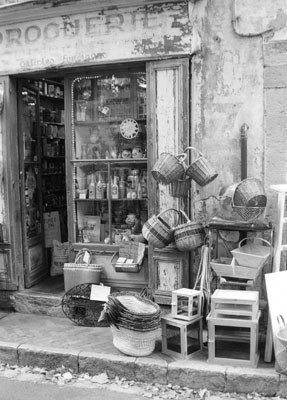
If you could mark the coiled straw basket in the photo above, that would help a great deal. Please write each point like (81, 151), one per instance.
(168, 168)
(200, 170)
(135, 321)
(157, 231)
(189, 236)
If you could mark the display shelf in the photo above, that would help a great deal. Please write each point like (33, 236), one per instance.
(108, 167)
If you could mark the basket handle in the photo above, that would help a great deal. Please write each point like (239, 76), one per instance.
(170, 209)
(185, 216)
(181, 157)
(193, 148)
(281, 321)
(256, 238)
(80, 253)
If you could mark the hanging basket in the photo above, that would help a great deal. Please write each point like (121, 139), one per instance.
(280, 346)
(189, 236)
(252, 254)
(180, 188)
(168, 168)
(157, 231)
(249, 193)
(200, 170)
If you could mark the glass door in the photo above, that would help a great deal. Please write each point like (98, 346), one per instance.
(108, 156)
(31, 193)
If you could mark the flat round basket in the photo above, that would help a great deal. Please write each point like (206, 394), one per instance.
(78, 307)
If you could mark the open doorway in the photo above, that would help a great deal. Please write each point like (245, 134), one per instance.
(41, 133)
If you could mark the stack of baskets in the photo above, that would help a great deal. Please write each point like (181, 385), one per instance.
(134, 322)
(249, 200)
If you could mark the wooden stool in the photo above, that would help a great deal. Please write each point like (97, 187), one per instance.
(186, 304)
(237, 303)
(181, 339)
(229, 336)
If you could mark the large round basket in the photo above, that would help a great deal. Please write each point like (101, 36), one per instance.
(190, 235)
(200, 170)
(250, 193)
(134, 343)
(249, 200)
(168, 168)
(157, 231)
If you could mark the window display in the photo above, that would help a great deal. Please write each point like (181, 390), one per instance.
(109, 156)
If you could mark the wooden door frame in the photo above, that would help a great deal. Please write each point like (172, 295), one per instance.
(15, 272)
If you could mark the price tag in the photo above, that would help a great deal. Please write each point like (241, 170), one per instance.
(100, 293)
(86, 258)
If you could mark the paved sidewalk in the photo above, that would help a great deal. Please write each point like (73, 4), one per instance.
(50, 342)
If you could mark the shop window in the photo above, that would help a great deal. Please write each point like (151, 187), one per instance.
(108, 151)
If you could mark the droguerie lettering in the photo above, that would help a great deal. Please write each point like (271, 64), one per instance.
(91, 26)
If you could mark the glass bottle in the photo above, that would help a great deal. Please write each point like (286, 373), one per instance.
(100, 188)
(122, 188)
(92, 187)
(139, 191)
(115, 189)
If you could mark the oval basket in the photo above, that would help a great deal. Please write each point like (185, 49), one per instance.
(168, 168)
(157, 231)
(252, 255)
(200, 170)
(189, 236)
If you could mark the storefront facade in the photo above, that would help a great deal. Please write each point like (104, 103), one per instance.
(209, 67)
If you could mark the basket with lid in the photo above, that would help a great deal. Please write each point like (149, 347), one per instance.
(159, 231)
(189, 235)
(200, 170)
(252, 254)
(168, 168)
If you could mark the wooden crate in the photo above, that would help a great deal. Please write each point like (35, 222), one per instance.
(242, 332)
(237, 303)
(186, 304)
(181, 339)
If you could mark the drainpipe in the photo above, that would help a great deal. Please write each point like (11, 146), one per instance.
(243, 138)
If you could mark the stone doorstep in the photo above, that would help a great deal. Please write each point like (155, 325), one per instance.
(193, 374)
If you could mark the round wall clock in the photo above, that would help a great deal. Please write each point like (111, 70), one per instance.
(129, 128)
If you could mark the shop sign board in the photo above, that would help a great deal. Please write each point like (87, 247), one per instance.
(131, 33)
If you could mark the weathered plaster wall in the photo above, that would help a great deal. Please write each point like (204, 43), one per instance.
(228, 83)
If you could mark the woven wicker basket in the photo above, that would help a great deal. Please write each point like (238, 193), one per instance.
(189, 236)
(134, 343)
(200, 170)
(249, 193)
(157, 231)
(135, 322)
(78, 272)
(168, 168)
(180, 188)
